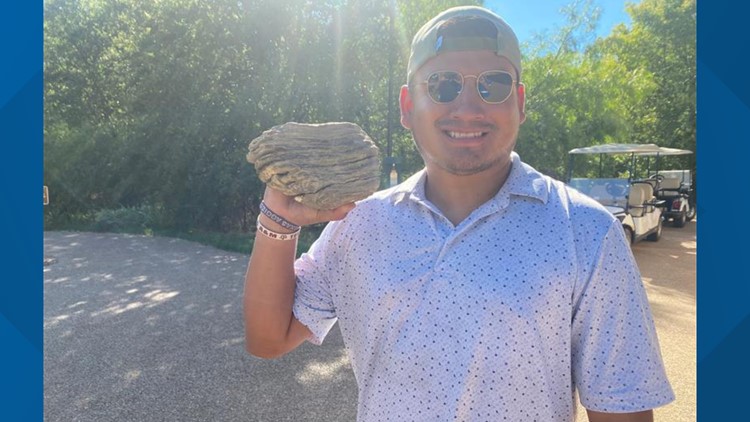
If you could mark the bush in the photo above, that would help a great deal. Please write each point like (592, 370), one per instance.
(56, 220)
(127, 219)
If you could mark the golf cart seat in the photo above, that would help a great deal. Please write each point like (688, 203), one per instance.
(641, 194)
(653, 182)
(669, 187)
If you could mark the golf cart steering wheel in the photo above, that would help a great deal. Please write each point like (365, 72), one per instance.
(615, 189)
(658, 177)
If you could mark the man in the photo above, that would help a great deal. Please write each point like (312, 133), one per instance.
(478, 289)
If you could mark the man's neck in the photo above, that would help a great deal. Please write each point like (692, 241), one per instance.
(458, 196)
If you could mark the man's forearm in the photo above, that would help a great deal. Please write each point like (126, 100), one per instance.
(269, 295)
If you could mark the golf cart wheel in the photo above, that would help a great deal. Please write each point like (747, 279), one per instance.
(680, 220)
(629, 234)
(690, 212)
(655, 236)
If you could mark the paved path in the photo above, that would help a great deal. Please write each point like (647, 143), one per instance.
(668, 272)
(149, 329)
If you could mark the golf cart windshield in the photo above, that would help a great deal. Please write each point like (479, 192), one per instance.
(608, 191)
(683, 176)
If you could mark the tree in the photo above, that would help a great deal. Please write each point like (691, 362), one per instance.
(575, 97)
(661, 42)
(154, 103)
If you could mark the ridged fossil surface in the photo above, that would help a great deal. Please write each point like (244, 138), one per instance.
(321, 165)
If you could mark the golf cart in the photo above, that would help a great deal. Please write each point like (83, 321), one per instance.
(674, 187)
(608, 176)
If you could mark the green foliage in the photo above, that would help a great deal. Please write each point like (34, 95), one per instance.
(661, 44)
(155, 103)
(127, 219)
(576, 96)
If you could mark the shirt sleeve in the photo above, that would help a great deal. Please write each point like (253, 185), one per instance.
(313, 303)
(616, 362)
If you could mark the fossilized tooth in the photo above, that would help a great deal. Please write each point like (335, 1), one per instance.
(321, 165)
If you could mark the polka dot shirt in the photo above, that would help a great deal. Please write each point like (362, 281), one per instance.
(505, 317)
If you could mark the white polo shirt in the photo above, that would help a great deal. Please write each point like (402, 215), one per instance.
(502, 318)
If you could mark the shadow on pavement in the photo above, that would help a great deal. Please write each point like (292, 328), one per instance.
(150, 329)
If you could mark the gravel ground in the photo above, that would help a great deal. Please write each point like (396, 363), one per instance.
(146, 329)
(150, 329)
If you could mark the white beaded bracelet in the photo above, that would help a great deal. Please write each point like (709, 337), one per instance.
(275, 235)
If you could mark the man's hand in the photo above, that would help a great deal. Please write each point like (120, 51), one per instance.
(299, 214)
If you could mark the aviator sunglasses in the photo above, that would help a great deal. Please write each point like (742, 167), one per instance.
(493, 86)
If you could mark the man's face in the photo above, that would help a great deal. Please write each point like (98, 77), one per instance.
(466, 136)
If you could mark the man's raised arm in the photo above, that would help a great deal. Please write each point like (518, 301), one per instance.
(271, 330)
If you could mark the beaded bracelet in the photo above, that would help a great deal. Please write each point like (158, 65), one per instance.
(277, 218)
(275, 235)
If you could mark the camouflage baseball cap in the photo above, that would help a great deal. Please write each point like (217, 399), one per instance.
(428, 42)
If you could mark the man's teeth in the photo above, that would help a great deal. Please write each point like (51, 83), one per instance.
(464, 134)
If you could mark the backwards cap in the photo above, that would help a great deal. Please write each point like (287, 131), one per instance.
(428, 42)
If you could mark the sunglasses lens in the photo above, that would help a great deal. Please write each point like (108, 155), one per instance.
(444, 87)
(495, 87)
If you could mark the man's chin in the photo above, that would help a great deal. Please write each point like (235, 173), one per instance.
(466, 169)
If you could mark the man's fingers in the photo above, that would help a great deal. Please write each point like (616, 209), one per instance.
(298, 213)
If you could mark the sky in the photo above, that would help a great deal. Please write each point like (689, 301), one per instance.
(527, 17)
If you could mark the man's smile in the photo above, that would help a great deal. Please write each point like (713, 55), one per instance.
(464, 135)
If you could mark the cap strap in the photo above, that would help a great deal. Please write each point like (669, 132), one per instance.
(465, 43)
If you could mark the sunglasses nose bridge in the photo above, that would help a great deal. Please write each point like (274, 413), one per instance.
(475, 87)
(469, 104)
(464, 82)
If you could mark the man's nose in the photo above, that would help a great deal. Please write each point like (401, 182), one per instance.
(469, 105)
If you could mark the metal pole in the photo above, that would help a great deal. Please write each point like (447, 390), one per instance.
(389, 145)
(632, 167)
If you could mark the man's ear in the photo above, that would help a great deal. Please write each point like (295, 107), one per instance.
(407, 106)
(522, 102)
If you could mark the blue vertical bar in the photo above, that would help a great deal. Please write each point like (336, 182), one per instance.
(723, 152)
(21, 383)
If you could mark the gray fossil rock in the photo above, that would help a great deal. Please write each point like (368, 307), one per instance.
(322, 165)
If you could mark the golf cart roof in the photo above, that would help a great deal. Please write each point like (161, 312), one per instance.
(652, 149)
(668, 151)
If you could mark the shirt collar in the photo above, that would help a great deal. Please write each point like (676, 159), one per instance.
(411, 188)
(523, 180)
